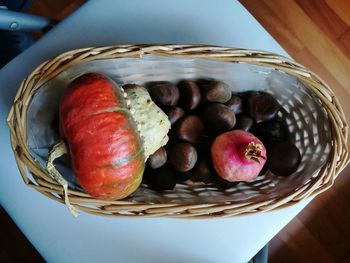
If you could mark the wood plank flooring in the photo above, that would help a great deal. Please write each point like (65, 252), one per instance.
(316, 33)
(54, 9)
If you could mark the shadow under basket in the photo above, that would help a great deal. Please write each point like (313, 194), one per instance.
(313, 114)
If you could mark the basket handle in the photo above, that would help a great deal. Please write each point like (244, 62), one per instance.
(59, 149)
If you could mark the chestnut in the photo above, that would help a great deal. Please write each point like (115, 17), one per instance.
(283, 158)
(174, 114)
(189, 128)
(218, 118)
(203, 171)
(202, 83)
(262, 106)
(203, 146)
(190, 95)
(235, 104)
(161, 179)
(272, 131)
(244, 122)
(217, 91)
(164, 93)
(183, 156)
(158, 158)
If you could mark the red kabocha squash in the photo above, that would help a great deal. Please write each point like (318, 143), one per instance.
(104, 145)
(108, 133)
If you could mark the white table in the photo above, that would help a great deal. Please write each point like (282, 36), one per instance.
(54, 232)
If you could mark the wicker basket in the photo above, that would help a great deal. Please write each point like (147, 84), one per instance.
(313, 113)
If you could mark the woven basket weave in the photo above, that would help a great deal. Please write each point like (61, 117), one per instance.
(303, 114)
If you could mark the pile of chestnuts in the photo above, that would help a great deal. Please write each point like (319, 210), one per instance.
(199, 110)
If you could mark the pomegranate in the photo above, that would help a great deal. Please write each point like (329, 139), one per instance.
(238, 155)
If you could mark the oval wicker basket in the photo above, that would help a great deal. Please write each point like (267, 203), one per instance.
(194, 201)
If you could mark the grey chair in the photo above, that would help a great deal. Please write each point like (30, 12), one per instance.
(16, 27)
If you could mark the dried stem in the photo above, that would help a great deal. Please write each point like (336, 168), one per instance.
(57, 151)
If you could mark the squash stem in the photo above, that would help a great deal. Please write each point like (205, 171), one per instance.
(57, 151)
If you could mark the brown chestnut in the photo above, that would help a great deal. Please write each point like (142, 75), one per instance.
(283, 158)
(174, 114)
(272, 131)
(235, 104)
(262, 106)
(203, 171)
(244, 122)
(189, 128)
(183, 156)
(158, 158)
(217, 91)
(203, 83)
(164, 93)
(190, 95)
(218, 118)
(161, 179)
(203, 146)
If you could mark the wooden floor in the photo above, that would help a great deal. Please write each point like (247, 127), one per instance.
(316, 33)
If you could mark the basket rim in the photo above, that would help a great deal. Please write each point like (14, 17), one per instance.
(42, 182)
